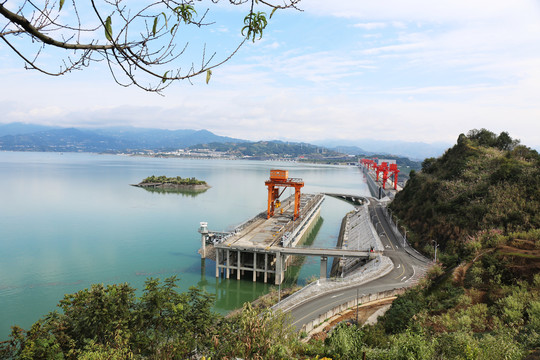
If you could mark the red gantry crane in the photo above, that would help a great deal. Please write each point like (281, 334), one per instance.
(384, 169)
(370, 164)
(394, 170)
(386, 172)
(280, 178)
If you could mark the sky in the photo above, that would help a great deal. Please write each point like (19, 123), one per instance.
(416, 70)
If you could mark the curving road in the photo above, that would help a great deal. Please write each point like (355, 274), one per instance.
(408, 266)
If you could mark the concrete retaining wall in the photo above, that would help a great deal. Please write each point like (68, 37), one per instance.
(350, 304)
(374, 269)
(374, 188)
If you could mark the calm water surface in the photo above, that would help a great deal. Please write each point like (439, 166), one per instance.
(68, 221)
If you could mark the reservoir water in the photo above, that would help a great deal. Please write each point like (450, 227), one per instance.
(70, 220)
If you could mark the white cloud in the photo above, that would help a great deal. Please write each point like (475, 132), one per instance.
(394, 48)
(462, 11)
(272, 46)
(370, 25)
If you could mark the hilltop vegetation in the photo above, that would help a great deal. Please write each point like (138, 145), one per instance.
(484, 182)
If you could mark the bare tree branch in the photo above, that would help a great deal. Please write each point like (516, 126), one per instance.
(137, 43)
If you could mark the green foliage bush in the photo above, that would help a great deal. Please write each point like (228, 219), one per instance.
(398, 318)
(173, 180)
(110, 322)
(346, 342)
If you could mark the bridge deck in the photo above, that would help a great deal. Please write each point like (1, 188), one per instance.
(328, 252)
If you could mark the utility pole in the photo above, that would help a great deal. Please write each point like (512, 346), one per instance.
(357, 307)
(435, 245)
(279, 292)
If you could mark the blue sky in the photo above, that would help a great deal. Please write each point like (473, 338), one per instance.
(391, 70)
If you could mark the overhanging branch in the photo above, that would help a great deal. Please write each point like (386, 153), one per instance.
(32, 30)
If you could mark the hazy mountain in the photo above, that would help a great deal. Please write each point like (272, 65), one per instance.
(21, 137)
(415, 150)
(164, 139)
(69, 139)
(21, 128)
(352, 150)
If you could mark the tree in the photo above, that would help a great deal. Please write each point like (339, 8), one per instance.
(111, 322)
(140, 44)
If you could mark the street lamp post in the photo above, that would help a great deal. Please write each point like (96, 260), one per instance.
(279, 292)
(405, 237)
(435, 245)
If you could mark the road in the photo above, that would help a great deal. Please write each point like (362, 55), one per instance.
(406, 266)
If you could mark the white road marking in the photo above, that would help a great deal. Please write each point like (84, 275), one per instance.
(403, 278)
(399, 265)
(334, 296)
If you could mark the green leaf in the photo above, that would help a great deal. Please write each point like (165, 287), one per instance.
(255, 23)
(61, 5)
(108, 28)
(208, 75)
(174, 27)
(155, 26)
(272, 13)
(165, 76)
(165, 17)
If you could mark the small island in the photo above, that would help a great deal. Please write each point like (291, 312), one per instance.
(173, 183)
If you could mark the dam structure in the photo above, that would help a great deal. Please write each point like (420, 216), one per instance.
(263, 246)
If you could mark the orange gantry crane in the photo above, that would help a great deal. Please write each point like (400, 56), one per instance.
(280, 178)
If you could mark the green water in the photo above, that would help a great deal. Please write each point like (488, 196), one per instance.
(70, 220)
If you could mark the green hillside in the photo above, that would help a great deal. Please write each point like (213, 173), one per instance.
(484, 182)
(480, 202)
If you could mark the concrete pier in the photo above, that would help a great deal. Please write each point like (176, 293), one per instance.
(255, 247)
(262, 246)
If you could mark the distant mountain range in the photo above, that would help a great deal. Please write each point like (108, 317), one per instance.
(31, 137)
(28, 137)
